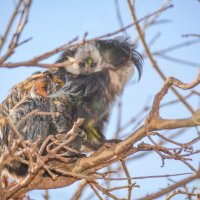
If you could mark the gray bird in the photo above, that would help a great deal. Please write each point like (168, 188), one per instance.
(97, 75)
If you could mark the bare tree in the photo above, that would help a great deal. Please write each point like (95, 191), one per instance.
(149, 124)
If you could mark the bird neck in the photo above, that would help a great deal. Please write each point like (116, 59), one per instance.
(105, 85)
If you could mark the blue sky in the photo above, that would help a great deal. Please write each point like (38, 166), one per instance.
(52, 23)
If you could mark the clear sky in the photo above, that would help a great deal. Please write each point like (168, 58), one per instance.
(52, 23)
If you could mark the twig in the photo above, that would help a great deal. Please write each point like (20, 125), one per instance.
(177, 46)
(119, 17)
(35, 61)
(15, 38)
(154, 63)
(168, 83)
(191, 35)
(128, 177)
(95, 191)
(177, 60)
(10, 23)
(172, 187)
(105, 191)
(79, 190)
(188, 194)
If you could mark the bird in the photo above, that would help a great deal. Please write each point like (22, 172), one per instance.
(86, 89)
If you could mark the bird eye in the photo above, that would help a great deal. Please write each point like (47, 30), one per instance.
(92, 65)
(81, 64)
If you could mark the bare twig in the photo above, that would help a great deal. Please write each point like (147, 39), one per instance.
(10, 23)
(191, 35)
(154, 63)
(15, 38)
(128, 177)
(79, 190)
(172, 187)
(35, 61)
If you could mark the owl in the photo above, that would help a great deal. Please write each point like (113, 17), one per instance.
(86, 89)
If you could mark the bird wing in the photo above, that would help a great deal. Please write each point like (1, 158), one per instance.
(40, 84)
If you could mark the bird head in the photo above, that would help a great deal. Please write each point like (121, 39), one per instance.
(101, 55)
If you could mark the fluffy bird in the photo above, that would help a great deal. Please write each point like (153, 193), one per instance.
(97, 75)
